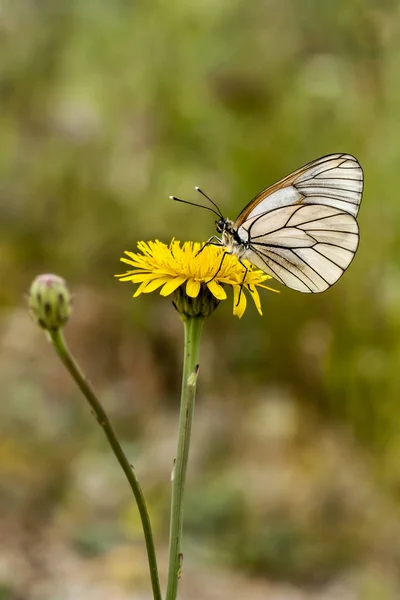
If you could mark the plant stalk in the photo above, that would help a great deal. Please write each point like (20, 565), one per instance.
(66, 357)
(193, 327)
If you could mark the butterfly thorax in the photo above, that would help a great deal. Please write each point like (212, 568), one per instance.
(230, 237)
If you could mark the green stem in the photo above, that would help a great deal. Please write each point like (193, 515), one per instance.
(193, 326)
(63, 351)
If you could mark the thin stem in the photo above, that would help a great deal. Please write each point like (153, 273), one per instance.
(193, 328)
(64, 353)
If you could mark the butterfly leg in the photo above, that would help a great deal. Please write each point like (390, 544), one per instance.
(210, 243)
(220, 265)
(246, 270)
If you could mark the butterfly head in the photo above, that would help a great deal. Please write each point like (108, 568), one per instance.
(227, 229)
(224, 226)
(220, 225)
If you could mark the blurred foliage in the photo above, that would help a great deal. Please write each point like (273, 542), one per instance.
(106, 108)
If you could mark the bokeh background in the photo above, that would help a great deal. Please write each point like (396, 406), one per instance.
(107, 108)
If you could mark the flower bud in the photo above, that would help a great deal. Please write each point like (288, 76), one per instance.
(50, 301)
(202, 306)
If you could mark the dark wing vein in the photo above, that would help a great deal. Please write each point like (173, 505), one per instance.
(264, 256)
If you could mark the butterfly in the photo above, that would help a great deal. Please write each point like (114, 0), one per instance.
(301, 230)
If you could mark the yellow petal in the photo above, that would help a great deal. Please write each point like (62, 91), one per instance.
(256, 297)
(265, 287)
(192, 288)
(125, 277)
(217, 290)
(239, 295)
(140, 289)
(139, 277)
(132, 255)
(153, 285)
(133, 263)
(172, 285)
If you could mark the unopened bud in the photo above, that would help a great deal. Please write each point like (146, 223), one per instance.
(50, 301)
(203, 305)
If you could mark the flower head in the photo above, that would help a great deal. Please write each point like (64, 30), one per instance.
(198, 279)
(50, 301)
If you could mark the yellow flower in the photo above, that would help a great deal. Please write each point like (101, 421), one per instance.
(193, 276)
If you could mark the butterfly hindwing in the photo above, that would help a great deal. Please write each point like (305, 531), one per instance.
(306, 247)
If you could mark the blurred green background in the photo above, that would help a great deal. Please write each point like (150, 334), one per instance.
(106, 109)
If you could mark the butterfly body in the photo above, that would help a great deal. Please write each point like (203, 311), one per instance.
(230, 238)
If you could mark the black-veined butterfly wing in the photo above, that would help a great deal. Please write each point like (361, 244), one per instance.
(306, 248)
(302, 230)
(335, 180)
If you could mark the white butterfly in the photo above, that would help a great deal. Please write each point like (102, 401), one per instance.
(302, 230)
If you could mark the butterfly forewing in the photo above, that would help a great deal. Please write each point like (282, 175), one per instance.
(335, 180)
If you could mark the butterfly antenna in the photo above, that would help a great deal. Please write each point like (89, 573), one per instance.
(194, 204)
(209, 199)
